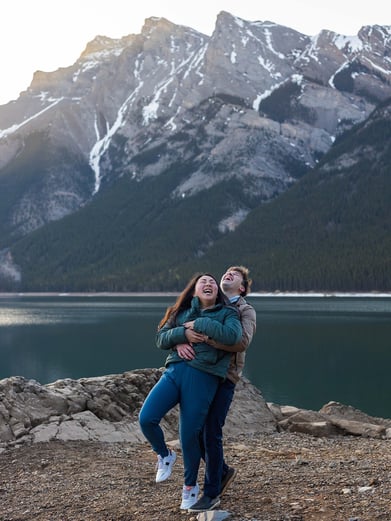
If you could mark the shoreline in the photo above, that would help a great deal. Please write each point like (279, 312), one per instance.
(256, 294)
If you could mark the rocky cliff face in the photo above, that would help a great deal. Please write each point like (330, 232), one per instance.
(257, 102)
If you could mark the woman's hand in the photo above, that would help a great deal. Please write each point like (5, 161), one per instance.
(193, 337)
(189, 325)
(185, 351)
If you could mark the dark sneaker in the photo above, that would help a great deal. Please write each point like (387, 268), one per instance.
(227, 479)
(205, 503)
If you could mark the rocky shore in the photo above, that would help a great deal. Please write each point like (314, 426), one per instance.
(72, 450)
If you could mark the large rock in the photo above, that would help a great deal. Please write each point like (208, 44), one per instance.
(332, 419)
(105, 409)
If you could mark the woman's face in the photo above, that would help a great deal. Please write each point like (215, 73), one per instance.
(206, 290)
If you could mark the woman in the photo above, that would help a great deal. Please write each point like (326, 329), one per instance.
(199, 312)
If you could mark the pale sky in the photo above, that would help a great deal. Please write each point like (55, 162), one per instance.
(48, 34)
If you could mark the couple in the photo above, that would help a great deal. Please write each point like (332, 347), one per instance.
(207, 331)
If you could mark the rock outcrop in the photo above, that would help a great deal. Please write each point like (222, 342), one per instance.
(332, 419)
(105, 409)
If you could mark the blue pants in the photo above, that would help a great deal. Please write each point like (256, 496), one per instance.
(194, 391)
(215, 466)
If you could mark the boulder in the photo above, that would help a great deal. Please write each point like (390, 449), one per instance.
(331, 420)
(106, 409)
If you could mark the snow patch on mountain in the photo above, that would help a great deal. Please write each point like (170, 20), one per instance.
(231, 222)
(14, 128)
(8, 268)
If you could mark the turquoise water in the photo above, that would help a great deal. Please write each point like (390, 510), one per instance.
(306, 352)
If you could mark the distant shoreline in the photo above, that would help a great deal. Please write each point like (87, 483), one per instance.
(318, 294)
(88, 294)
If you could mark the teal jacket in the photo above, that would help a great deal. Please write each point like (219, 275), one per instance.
(222, 323)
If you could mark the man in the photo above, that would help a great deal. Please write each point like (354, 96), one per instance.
(235, 284)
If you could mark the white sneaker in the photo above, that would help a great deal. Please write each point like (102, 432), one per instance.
(164, 466)
(189, 496)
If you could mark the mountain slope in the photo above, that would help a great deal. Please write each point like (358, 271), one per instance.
(332, 230)
(123, 240)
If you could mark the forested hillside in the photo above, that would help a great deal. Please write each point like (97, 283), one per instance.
(331, 231)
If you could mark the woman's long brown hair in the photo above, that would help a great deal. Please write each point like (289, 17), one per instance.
(184, 299)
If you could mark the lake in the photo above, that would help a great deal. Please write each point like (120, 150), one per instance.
(307, 350)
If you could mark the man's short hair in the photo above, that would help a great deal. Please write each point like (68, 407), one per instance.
(246, 279)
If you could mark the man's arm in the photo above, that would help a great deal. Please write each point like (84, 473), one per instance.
(248, 319)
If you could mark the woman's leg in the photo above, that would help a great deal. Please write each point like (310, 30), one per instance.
(197, 391)
(162, 397)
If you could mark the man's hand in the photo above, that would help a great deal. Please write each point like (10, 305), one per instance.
(185, 351)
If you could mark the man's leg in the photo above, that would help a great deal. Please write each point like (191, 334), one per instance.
(197, 391)
(213, 438)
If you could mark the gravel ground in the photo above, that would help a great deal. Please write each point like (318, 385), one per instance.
(281, 477)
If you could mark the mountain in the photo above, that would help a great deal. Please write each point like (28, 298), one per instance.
(155, 153)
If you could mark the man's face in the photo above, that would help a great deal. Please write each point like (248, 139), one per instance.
(232, 281)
